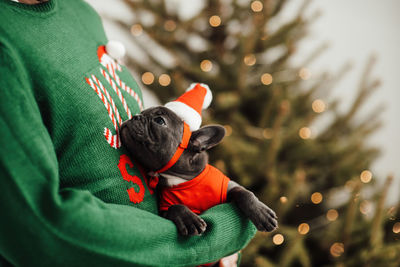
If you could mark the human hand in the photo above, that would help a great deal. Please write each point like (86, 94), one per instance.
(229, 261)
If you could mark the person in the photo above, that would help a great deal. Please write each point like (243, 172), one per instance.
(69, 194)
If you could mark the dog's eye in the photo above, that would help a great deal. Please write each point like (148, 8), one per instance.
(159, 120)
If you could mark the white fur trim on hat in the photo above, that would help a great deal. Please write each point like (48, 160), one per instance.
(186, 113)
(208, 98)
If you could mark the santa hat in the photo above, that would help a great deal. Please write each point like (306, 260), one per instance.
(189, 105)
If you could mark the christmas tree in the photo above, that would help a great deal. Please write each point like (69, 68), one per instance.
(315, 179)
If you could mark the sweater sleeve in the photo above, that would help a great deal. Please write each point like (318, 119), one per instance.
(42, 225)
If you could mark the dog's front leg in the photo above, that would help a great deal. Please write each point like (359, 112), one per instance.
(260, 214)
(186, 221)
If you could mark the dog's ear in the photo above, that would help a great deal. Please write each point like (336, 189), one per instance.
(206, 137)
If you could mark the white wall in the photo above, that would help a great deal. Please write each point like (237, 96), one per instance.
(354, 29)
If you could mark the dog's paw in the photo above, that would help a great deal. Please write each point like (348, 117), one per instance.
(187, 222)
(263, 217)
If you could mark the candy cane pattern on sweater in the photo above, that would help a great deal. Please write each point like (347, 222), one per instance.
(117, 91)
(111, 69)
(110, 75)
(109, 99)
(113, 140)
(110, 64)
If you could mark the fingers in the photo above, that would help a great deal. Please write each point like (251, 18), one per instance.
(229, 261)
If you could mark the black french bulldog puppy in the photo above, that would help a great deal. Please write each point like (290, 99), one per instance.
(155, 134)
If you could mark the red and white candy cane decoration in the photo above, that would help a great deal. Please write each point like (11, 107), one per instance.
(111, 70)
(113, 140)
(109, 99)
(111, 65)
(105, 59)
(113, 79)
(117, 91)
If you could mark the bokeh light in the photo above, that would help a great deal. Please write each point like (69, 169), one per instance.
(332, 215)
(147, 78)
(305, 133)
(136, 29)
(267, 133)
(304, 73)
(256, 6)
(316, 198)
(318, 106)
(250, 59)
(278, 239)
(206, 65)
(366, 176)
(164, 79)
(215, 21)
(283, 199)
(266, 78)
(365, 207)
(303, 228)
(170, 25)
(337, 249)
(396, 228)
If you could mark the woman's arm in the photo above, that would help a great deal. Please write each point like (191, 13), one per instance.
(43, 225)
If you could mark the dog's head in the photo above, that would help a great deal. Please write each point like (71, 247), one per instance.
(153, 136)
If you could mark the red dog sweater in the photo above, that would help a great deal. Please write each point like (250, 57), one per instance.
(206, 190)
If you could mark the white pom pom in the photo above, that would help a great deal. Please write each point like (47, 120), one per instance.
(208, 98)
(115, 49)
(186, 113)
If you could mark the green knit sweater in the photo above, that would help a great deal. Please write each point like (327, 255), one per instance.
(69, 194)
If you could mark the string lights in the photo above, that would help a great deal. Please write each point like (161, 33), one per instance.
(267, 133)
(396, 228)
(250, 59)
(318, 106)
(305, 133)
(147, 78)
(332, 215)
(206, 65)
(366, 176)
(283, 199)
(215, 21)
(266, 78)
(170, 25)
(303, 228)
(316, 198)
(136, 29)
(304, 74)
(365, 207)
(256, 6)
(164, 79)
(278, 239)
(337, 249)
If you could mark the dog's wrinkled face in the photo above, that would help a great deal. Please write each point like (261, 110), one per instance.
(153, 136)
